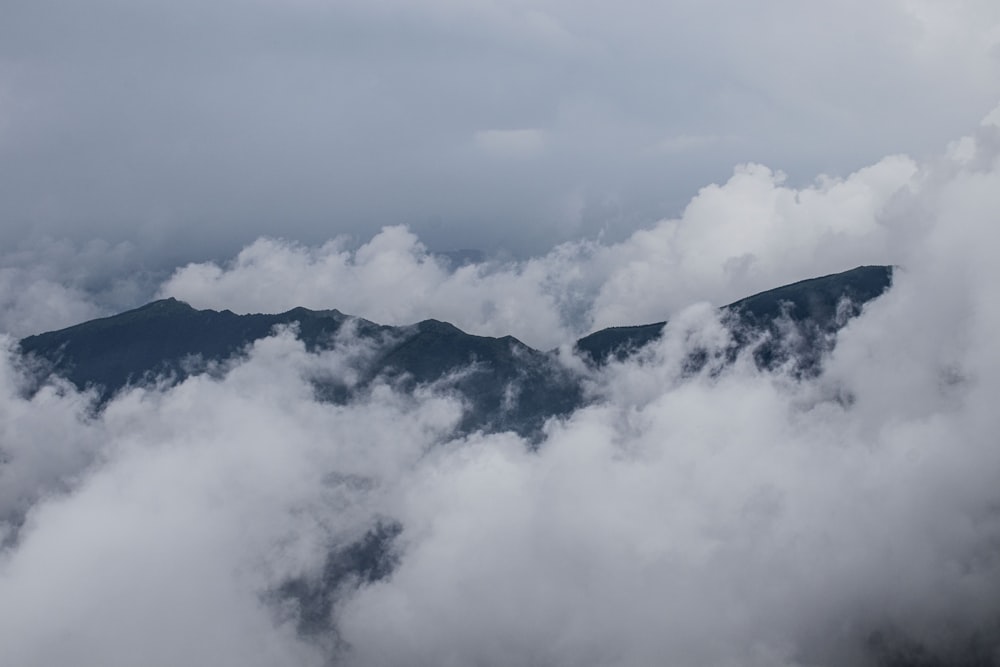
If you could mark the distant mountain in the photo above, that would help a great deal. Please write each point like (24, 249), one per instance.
(813, 309)
(506, 384)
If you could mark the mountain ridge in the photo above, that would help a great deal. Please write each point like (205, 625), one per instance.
(504, 384)
(167, 337)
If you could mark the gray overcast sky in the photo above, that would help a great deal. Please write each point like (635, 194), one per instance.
(194, 127)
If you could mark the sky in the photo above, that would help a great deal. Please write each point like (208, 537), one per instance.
(615, 164)
(189, 129)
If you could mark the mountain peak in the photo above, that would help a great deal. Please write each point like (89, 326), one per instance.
(169, 304)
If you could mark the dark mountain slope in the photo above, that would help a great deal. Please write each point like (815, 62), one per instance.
(166, 337)
(506, 384)
(811, 309)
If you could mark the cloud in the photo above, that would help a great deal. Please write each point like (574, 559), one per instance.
(735, 517)
(748, 234)
(369, 282)
(752, 231)
(184, 518)
(49, 284)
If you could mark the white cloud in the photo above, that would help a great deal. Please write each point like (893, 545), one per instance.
(392, 279)
(198, 502)
(751, 233)
(735, 518)
(49, 284)
(748, 234)
(993, 117)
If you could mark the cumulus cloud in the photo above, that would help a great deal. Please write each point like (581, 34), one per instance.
(748, 234)
(392, 279)
(731, 517)
(195, 504)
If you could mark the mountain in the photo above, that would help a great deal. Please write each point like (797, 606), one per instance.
(506, 384)
(813, 309)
